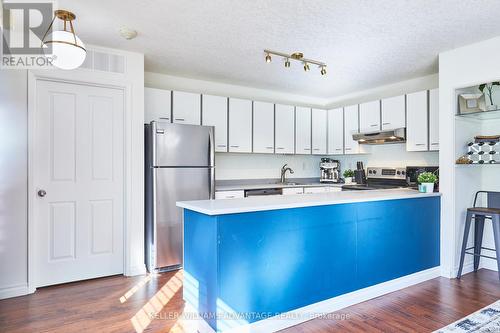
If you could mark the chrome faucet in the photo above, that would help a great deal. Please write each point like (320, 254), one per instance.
(284, 169)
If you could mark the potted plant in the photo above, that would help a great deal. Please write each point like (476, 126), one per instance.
(348, 174)
(426, 182)
(489, 92)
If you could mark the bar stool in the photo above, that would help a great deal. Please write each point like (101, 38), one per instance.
(480, 214)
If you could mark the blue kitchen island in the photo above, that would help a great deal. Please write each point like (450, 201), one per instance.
(257, 262)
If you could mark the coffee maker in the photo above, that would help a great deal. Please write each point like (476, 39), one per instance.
(330, 170)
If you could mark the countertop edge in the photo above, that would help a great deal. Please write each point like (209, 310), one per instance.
(234, 210)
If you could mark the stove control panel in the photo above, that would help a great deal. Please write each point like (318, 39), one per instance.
(386, 173)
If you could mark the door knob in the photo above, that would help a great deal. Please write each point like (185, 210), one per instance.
(41, 193)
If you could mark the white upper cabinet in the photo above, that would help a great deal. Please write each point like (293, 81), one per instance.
(285, 129)
(369, 116)
(319, 127)
(393, 112)
(351, 126)
(263, 127)
(157, 105)
(417, 116)
(186, 108)
(214, 113)
(302, 130)
(240, 125)
(434, 119)
(336, 131)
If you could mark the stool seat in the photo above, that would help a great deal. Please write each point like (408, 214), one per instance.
(484, 210)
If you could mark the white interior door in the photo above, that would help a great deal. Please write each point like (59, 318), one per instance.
(78, 174)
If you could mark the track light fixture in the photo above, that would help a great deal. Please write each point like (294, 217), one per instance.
(298, 56)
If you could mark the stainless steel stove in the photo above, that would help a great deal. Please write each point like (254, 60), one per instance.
(381, 178)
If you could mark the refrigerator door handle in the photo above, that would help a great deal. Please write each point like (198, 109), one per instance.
(212, 162)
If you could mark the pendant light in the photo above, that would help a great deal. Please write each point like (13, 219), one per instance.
(68, 51)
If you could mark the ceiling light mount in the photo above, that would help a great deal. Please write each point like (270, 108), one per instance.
(297, 56)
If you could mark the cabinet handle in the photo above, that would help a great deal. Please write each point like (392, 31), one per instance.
(338, 149)
(165, 118)
(280, 148)
(179, 119)
(234, 146)
(419, 144)
(316, 149)
(434, 143)
(386, 123)
(307, 148)
(230, 197)
(374, 125)
(269, 147)
(221, 146)
(347, 148)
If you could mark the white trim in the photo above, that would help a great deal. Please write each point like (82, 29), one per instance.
(303, 314)
(15, 290)
(33, 78)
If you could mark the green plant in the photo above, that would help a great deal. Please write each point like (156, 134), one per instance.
(489, 88)
(427, 177)
(348, 173)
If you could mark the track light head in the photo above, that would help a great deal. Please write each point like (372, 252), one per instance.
(323, 70)
(268, 58)
(287, 63)
(306, 67)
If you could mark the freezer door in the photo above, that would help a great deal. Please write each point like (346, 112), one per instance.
(177, 145)
(172, 185)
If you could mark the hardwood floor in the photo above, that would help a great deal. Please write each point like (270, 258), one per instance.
(120, 304)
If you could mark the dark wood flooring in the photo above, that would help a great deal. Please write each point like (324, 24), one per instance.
(120, 304)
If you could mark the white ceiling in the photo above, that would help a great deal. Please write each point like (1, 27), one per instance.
(365, 43)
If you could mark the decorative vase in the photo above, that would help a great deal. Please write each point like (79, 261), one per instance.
(426, 187)
(348, 180)
(492, 107)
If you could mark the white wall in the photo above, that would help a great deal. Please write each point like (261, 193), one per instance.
(463, 67)
(13, 183)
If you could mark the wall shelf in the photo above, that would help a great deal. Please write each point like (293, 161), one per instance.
(482, 115)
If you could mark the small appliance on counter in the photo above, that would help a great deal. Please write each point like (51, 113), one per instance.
(330, 170)
(379, 179)
(359, 174)
(412, 173)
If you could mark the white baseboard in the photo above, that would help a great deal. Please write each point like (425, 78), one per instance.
(14, 291)
(312, 311)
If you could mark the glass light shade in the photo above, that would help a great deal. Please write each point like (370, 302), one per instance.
(66, 54)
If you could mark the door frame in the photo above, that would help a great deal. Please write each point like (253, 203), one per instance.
(33, 78)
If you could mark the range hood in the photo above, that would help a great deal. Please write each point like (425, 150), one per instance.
(381, 137)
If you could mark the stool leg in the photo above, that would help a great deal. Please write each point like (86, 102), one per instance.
(464, 243)
(496, 233)
(478, 239)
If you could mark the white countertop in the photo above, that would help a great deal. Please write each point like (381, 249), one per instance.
(261, 203)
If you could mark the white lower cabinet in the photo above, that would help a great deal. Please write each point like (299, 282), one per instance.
(417, 138)
(319, 127)
(319, 189)
(263, 127)
(302, 130)
(434, 119)
(284, 129)
(336, 131)
(157, 105)
(215, 114)
(351, 126)
(292, 190)
(229, 194)
(240, 125)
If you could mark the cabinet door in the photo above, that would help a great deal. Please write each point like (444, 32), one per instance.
(336, 131)
(215, 114)
(285, 129)
(263, 127)
(240, 125)
(310, 190)
(369, 116)
(186, 108)
(434, 119)
(238, 194)
(157, 105)
(350, 127)
(292, 190)
(302, 130)
(416, 127)
(393, 112)
(319, 126)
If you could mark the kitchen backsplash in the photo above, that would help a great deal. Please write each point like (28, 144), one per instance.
(260, 166)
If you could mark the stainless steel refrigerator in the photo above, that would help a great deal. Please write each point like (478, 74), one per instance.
(180, 165)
